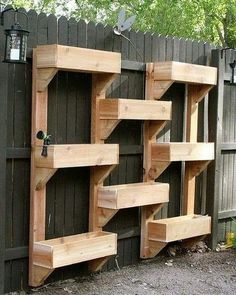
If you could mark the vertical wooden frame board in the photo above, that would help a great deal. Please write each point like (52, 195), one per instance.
(216, 100)
(37, 198)
(3, 146)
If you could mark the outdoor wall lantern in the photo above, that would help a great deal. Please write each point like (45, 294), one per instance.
(16, 39)
(233, 76)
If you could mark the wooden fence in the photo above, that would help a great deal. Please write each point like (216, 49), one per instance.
(69, 122)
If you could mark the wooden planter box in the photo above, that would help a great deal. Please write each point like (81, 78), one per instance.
(74, 249)
(133, 195)
(77, 155)
(134, 109)
(70, 58)
(182, 151)
(179, 228)
(184, 72)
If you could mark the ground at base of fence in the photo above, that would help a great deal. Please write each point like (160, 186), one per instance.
(191, 273)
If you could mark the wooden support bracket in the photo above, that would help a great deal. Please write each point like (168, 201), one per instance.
(155, 127)
(44, 77)
(97, 264)
(106, 127)
(198, 92)
(196, 167)
(42, 176)
(192, 169)
(157, 169)
(155, 247)
(101, 82)
(148, 213)
(104, 215)
(38, 275)
(160, 88)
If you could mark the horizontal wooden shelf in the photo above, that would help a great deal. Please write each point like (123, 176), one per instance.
(179, 228)
(134, 109)
(132, 195)
(185, 73)
(77, 155)
(182, 151)
(69, 58)
(74, 249)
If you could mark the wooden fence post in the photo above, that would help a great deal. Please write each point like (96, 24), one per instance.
(3, 143)
(215, 108)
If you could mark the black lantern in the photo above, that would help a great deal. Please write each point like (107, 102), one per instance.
(233, 76)
(16, 40)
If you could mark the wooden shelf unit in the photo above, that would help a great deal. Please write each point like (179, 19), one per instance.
(179, 228)
(155, 234)
(77, 155)
(199, 78)
(132, 195)
(74, 249)
(45, 255)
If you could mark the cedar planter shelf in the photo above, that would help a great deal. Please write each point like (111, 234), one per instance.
(134, 109)
(179, 228)
(74, 249)
(69, 58)
(132, 195)
(184, 73)
(77, 155)
(182, 151)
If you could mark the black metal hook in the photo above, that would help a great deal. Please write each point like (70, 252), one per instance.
(46, 142)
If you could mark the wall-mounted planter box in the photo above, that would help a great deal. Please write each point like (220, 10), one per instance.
(182, 151)
(133, 195)
(77, 155)
(184, 73)
(69, 58)
(74, 249)
(134, 109)
(179, 228)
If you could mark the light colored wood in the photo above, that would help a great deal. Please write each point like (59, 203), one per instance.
(132, 195)
(182, 151)
(192, 114)
(150, 131)
(160, 88)
(42, 176)
(192, 169)
(154, 128)
(184, 72)
(147, 215)
(134, 109)
(196, 167)
(39, 275)
(78, 59)
(97, 264)
(157, 169)
(149, 81)
(44, 77)
(106, 128)
(74, 249)
(103, 216)
(197, 91)
(155, 248)
(179, 228)
(37, 198)
(77, 155)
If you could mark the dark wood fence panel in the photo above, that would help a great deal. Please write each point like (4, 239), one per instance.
(227, 196)
(69, 122)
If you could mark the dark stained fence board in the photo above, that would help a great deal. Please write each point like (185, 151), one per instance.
(3, 143)
(215, 135)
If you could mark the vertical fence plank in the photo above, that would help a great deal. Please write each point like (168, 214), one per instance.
(215, 135)
(3, 143)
